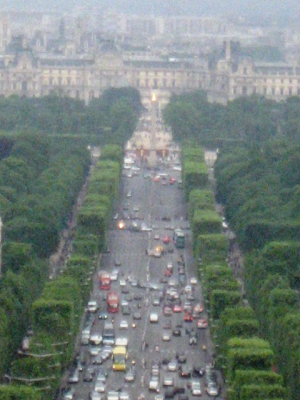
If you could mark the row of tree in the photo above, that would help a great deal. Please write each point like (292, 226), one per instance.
(108, 119)
(249, 120)
(33, 208)
(246, 359)
(57, 312)
(261, 194)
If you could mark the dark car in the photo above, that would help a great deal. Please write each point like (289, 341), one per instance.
(181, 357)
(137, 296)
(170, 393)
(177, 331)
(185, 372)
(126, 310)
(89, 373)
(198, 371)
(179, 389)
(183, 397)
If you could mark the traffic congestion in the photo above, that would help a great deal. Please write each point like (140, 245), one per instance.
(145, 332)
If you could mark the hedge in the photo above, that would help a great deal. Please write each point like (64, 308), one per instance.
(212, 248)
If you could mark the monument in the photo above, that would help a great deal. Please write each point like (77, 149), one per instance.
(153, 126)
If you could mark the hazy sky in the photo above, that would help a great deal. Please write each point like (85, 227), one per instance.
(196, 7)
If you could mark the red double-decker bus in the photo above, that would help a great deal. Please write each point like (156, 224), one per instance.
(112, 302)
(104, 281)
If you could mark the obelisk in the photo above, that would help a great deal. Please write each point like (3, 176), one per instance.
(152, 156)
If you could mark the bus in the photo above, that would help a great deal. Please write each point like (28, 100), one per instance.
(119, 357)
(104, 280)
(112, 302)
(179, 239)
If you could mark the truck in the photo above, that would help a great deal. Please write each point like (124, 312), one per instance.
(104, 280)
(112, 302)
(179, 239)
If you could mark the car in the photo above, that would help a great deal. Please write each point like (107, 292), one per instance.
(163, 279)
(104, 296)
(156, 301)
(92, 306)
(124, 396)
(198, 371)
(183, 397)
(212, 389)
(113, 395)
(134, 283)
(166, 337)
(156, 237)
(167, 273)
(122, 341)
(137, 296)
(94, 395)
(89, 374)
(188, 306)
(190, 297)
(182, 279)
(172, 180)
(193, 281)
(181, 357)
(129, 194)
(117, 262)
(124, 324)
(179, 389)
(154, 383)
(124, 290)
(196, 388)
(188, 317)
(94, 350)
(210, 374)
(177, 331)
(202, 324)
(185, 372)
(168, 380)
(85, 338)
(170, 393)
(126, 310)
(137, 315)
(99, 386)
(130, 375)
(167, 311)
(166, 239)
(107, 350)
(99, 359)
(153, 317)
(69, 394)
(172, 366)
(177, 308)
(155, 369)
(74, 377)
(96, 338)
(122, 282)
(159, 397)
(198, 309)
(103, 371)
(103, 315)
(114, 276)
(188, 289)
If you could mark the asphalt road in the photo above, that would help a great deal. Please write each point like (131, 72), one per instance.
(153, 201)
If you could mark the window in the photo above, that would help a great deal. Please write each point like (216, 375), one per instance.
(281, 92)
(244, 90)
(245, 71)
(273, 90)
(290, 91)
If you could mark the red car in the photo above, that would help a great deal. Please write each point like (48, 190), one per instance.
(177, 308)
(202, 324)
(166, 240)
(172, 181)
(167, 311)
(168, 273)
(188, 317)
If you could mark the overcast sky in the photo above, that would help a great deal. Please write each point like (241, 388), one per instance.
(195, 7)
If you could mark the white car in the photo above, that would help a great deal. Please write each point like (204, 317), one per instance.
(114, 276)
(92, 306)
(122, 341)
(196, 388)
(154, 383)
(193, 281)
(124, 396)
(153, 317)
(172, 366)
(124, 324)
(168, 380)
(99, 387)
(166, 337)
(96, 338)
(112, 395)
(188, 289)
(94, 350)
(122, 282)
